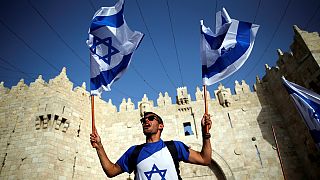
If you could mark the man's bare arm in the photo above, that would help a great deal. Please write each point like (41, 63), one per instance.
(108, 167)
(203, 157)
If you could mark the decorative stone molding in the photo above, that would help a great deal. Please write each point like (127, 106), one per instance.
(82, 90)
(126, 106)
(19, 88)
(242, 88)
(184, 109)
(145, 105)
(52, 120)
(223, 95)
(61, 81)
(123, 105)
(130, 105)
(38, 82)
(200, 94)
(182, 96)
(3, 89)
(164, 100)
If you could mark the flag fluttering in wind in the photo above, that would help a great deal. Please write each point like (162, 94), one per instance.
(111, 45)
(308, 105)
(225, 52)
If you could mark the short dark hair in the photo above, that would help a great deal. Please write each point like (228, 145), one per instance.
(158, 117)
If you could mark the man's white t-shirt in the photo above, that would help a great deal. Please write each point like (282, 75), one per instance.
(154, 161)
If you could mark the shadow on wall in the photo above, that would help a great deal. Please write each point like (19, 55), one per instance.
(266, 118)
(269, 117)
(216, 169)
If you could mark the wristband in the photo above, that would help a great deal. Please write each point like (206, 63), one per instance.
(206, 135)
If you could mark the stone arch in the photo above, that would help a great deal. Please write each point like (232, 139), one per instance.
(218, 169)
(223, 165)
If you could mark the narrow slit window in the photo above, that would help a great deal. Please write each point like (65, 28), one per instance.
(187, 129)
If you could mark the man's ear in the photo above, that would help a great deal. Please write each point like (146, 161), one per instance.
(161, 126)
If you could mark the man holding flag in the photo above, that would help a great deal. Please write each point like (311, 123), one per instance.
(112, 43)
(155, 159)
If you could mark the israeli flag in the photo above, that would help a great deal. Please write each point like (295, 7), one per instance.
(225, 52)
(111, 45)
(308, 105)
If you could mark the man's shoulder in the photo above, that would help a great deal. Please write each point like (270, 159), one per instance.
(178, 146)
(179, 143)
(132, 149)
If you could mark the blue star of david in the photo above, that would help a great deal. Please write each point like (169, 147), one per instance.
(107, 42)
(155, 169)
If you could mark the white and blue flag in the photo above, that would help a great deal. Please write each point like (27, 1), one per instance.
(111, 45)
(308, 105)
(225, 52)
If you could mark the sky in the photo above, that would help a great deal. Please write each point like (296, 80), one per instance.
(41, 37)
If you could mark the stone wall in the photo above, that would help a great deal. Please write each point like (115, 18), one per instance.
(301, 66)
(45, 127)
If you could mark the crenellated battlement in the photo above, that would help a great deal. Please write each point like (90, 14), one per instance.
(63, 86)
(45, 126)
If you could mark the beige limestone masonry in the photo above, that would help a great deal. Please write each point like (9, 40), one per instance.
(45, 127)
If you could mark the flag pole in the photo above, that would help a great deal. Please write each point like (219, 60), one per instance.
(205, 105)
(278, 151)
(92, 114)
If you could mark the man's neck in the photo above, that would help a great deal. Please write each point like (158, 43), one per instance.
(152, 138)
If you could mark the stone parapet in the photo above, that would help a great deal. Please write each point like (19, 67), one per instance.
(45, 127)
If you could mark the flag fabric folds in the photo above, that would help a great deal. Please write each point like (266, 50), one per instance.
(308, 105)
(225, 51)
(111, 44)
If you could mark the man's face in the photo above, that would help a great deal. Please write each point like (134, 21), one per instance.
(150, 124)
